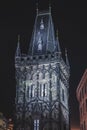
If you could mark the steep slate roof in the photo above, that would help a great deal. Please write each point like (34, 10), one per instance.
(43, 37)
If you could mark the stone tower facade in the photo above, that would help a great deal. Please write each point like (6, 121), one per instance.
(42, 80)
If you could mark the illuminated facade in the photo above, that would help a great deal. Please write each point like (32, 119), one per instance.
(42, 77)
(81, 93)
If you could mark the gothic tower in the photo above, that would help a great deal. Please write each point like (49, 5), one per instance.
(42, 80)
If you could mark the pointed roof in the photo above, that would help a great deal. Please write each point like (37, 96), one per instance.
(18, 51)
(43, 38)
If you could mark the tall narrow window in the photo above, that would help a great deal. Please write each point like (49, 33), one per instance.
(40, 89)
(36, 124)
(32, 91)
(44, 90)
(28, 92)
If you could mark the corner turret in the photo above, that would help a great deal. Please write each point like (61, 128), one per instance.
(18, 51)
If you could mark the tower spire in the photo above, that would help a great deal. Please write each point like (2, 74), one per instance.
(57, 42)
(67, 61)
(18, 51)
(43, 36)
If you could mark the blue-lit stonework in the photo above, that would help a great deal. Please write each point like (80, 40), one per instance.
(42, 80)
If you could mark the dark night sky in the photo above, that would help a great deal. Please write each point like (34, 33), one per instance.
(18, 18)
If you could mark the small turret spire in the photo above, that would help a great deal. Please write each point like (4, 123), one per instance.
(18, 51)
(67, 61)
(57, 42)
(57, 34)
(18, 38)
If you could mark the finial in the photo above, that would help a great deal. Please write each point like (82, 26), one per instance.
(49, 7)
(37, 7)
(18, 38)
